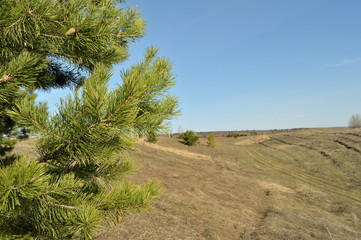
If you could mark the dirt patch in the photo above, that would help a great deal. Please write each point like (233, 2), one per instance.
(275, 187)
(285, 146)
(178, 152)
(253, 140)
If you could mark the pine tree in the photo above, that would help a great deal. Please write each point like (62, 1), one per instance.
(211, 140)
(189, 137)
(78, 182)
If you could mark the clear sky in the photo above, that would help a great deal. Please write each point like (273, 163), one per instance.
(256, 64)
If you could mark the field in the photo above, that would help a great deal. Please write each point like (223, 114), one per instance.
(302, 184)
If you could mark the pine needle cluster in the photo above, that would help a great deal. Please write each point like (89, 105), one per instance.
(79, 181)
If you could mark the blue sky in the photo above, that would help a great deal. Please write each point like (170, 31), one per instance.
(256, 64)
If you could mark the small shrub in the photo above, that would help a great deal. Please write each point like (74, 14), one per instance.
(236, 135)
(152, 137)
(253, 133)
(211, 140)
(181, 136)
(190, 138)
(355, 121)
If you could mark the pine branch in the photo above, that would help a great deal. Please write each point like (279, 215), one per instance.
(135, 100)
(55, 53)
(117, 110)
(81, 109)
(148, 126)
(116, 35)
(22, 185)
(87, 17)
(58, 205)
(137, 206)
(89, 56)
(128, 20)
(9, 77)
(73, 13)
(44, 159)
(36, 9)
(53, 36)
(16, 21)
(84, 132)
(42, 127)
(56, 190)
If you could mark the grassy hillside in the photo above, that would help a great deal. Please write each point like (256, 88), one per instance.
(303, 184)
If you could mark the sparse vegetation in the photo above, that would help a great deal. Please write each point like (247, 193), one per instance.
(211, 140)
(355, 121)
(189, 137)
(251, 190)
(236, 135)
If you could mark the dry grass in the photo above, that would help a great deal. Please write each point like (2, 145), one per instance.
(295, 185)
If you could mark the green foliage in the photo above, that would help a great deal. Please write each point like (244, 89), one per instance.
(52, 44)
(152, 137)
(355, 121)
(7, 145)
(236, 135)
(71, 184)
(79, 181)
(211, 140)
(189, 137)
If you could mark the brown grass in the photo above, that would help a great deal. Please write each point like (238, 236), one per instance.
(293, 185)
